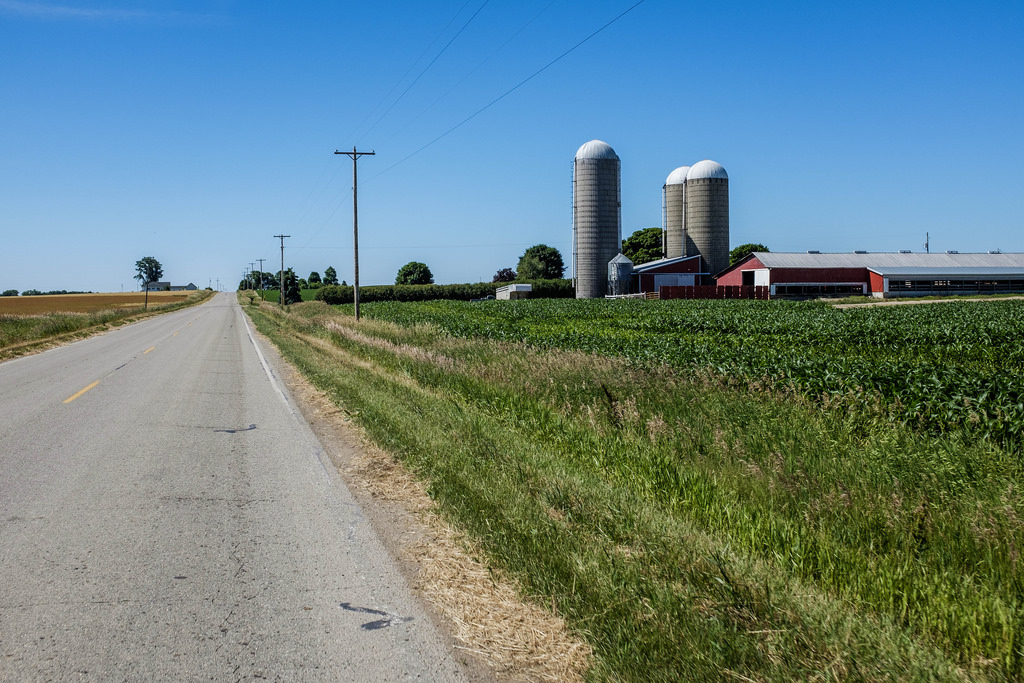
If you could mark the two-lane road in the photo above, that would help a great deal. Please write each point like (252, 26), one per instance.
(166, 514)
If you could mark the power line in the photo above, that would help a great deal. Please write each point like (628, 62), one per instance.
(472, 71)
(508, 92)
(359, 128)
(305, 206)
(427, 67)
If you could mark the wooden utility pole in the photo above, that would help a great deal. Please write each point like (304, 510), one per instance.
(283, 300)
(354, 155)
(261, 260)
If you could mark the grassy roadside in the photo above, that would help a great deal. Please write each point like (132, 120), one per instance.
(688, 529)
(24, 334)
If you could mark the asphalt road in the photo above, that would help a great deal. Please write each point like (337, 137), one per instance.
(165, 513)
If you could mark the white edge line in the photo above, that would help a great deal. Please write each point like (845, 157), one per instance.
(318, 452)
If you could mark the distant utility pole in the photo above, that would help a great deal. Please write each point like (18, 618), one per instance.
(281, 237)
(261, 260)
(926, 246)
(354, 155)
(252, 271)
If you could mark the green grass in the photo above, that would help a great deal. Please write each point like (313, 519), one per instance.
(274, 295)
(688, 524)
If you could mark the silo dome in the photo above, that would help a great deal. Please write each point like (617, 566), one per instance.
(707, 169)
(678, 176)
(596, 216)
(596, 149)
(673, 204)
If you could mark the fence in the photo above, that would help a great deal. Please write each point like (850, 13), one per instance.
(714, 292)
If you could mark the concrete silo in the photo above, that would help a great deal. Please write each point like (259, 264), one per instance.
(596, 217)
(707, 215)
(674, 207)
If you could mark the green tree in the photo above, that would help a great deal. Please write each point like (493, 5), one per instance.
(414, 273)
(314, 279)
(504, 275)
(10, 292)
(148, 269)
(292, 295)
(330, 276)
(540, 262)
(737, 254)
(643, 246)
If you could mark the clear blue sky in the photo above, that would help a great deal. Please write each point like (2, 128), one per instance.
(194, 131)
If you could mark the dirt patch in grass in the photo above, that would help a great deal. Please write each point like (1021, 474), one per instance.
(499, 634)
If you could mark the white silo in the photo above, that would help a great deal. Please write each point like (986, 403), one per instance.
(596, 217)
(673, 203)
(707, 215)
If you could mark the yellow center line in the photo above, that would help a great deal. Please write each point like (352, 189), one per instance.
(69, 400)
(148, 350)
(175, 334)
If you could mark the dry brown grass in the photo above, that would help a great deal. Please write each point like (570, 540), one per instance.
(83, 303)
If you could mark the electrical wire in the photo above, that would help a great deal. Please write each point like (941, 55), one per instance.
(427, 67)
(338, 204)
(507, 92)
(473, 71)
(306, 205)
(359, 128)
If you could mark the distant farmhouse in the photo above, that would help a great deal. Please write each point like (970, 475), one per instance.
(168, 287)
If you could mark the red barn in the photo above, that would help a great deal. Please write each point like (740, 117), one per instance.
(682, 271)
(813, 274)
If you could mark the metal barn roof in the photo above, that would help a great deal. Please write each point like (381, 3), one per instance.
(947, 274)
(662, 262)
(879, 262)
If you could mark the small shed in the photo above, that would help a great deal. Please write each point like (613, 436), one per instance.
(514, 291)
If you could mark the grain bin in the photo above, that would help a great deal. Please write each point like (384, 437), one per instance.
(620, 275)
(707, 215)
(596, 217)
(673, 203)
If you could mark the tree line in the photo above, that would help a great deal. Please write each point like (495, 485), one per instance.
(539, 262)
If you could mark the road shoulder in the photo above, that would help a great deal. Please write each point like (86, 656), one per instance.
(493, 633)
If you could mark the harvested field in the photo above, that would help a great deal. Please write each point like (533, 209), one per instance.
(34, 323)
(84, 303)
